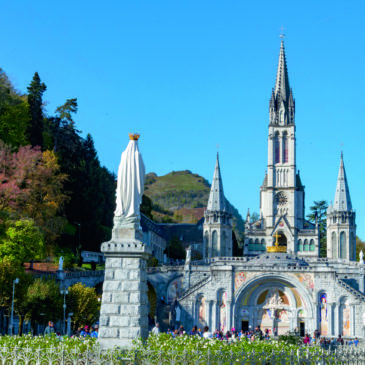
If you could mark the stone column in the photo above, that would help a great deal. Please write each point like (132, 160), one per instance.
(214, 316)
(330, 319)
(229, 316)
(124, 307)
(352, 320)
(210, 315)
(336, 322)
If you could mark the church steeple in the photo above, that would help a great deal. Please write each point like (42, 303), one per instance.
(341, 225)
(342, 201)
(217, 201)
(217, 220)
(282, 104)
(282, 79)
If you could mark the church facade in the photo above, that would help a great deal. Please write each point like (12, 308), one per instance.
(280, 282)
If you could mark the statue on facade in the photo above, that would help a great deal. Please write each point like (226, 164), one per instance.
(361, 255)
(188, 256)
(60, 263)
(130, 184)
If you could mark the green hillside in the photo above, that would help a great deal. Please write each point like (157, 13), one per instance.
(181, 196)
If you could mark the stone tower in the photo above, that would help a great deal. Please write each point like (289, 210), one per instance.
(341, 226)
(217, 220)
(282, 215)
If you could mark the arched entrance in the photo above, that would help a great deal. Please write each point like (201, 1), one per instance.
(283, 241)
(152, 302)
(275, 303)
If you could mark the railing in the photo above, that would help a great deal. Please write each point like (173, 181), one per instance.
(61, 356)
(350, 289)
(195, 287)
(79, 274)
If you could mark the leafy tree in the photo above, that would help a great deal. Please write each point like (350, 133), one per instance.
(35, 101)
(43, 302)
(8, 272)
(22, 242)
(176, 249)
(32, 187)
(13, 123)
(83, 303)
(319, 213)
(146, 206)
(360, 245)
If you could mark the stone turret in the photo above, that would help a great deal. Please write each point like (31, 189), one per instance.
(341, 226)
(218, 220)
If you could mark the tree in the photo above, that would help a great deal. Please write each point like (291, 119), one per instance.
(35, 101)
(43, 302)
(84, 304)
(360, 246)
(22, 242)
(32, 188)
(176, 249)
(319, 214)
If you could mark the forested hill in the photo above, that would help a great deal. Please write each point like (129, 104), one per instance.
(54, 191)
(181, 197)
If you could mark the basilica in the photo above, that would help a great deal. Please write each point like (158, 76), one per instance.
(280, 282)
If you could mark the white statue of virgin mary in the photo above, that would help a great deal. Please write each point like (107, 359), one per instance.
(130, 185)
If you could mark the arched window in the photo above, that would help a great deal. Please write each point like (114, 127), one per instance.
(224, 244)
(206, 244)
(312, 245)
(277, 148)
(250, 245)
(263, 245)
(300, 245)
(342, 245)
(214, 244)
(285, 148)
(334, 245)
(305, 245)
(257, 244)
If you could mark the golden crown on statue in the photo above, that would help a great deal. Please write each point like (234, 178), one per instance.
(276, 247)
(134, 136)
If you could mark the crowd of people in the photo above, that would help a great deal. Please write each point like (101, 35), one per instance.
(233, 334)
(217, 334)
(81, 331)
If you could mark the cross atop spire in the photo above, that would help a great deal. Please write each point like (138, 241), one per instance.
(342, 196)
(217, 201)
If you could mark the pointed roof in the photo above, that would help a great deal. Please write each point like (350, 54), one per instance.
(282, 87)
(217, 201)
(342, 197)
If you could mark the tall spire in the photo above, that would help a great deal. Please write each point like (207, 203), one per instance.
(342, 197)
(217, 201)
(282, 79)
(282, 103)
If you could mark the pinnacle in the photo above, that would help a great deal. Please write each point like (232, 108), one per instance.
(342, 196)
(217, 201)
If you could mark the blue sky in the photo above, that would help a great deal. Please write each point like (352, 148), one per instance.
(194, 75)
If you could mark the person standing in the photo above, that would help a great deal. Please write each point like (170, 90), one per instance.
(156, 329)
(49, 329)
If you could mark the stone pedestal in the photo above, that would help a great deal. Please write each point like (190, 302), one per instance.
(124, 307)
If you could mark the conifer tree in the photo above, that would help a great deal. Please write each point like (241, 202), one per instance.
(35, 101)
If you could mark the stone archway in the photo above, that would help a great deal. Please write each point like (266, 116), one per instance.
(273, 302)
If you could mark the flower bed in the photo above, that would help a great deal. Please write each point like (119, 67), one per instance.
(164, 349)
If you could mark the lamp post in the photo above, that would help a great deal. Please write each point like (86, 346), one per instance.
(16, 281)
(64, 293)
